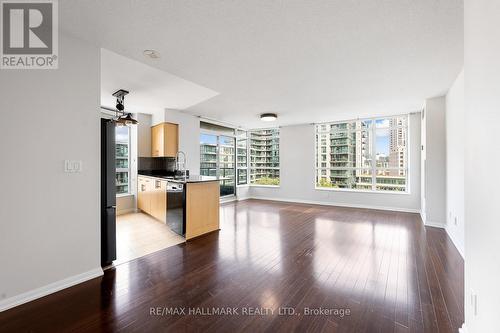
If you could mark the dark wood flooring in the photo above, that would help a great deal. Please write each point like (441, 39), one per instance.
(390, 272)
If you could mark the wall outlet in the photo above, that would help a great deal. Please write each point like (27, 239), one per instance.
(72, 166)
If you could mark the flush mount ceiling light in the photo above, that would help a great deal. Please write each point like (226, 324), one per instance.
(268, 116)
(153, 54)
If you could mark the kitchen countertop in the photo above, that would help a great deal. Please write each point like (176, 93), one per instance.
(189, 179)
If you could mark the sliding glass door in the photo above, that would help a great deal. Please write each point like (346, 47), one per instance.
(218, 158)
(227, 165)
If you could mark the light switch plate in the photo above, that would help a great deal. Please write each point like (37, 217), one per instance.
(72, 166)
(473, 302)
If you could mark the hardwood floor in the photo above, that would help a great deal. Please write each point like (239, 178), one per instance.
(392, 274)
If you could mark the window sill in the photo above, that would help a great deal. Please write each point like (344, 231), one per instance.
(360, 191)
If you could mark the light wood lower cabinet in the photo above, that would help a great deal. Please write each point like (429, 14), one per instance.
(143, 194)
(202, 208)
(159, 200)
(152, 197)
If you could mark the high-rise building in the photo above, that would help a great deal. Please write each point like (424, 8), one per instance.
(345, 153)
(264, 157)
(397, 147)
(208, 159)
(343, 150)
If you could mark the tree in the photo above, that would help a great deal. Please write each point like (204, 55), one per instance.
(326, 183)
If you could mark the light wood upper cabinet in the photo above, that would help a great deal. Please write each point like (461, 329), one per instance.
(164, 140)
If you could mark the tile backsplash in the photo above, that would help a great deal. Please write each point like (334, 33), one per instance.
(156, 164)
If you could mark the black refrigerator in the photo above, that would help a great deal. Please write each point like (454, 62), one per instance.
(108, 192)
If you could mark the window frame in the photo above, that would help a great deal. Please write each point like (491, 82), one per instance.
(373, 168)
(249, 182)
(218, 162)
(243, 135)
(128, 169)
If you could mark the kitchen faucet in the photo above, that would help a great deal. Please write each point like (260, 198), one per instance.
(184, 160)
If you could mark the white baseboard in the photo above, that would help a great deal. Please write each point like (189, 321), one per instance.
(434, 224)
(338, 204)
(422, 216)
(454, 241)
(49, 289)
(231, 199)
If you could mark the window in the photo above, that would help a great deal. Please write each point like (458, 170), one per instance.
(122, 144)
(218, 155)
(242, 157)
(227, 156)
(264, 157)
(368, 154)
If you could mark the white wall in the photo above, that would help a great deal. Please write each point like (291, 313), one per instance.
(297, 178)
(482, 158)
(49, 219)
(125, 204)
(243, 192)
(434, 173)
(144, 135)
(455, 130)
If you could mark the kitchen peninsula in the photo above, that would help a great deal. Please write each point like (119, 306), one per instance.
(189, 206)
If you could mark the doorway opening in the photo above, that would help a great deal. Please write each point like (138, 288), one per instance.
(127, 232)
(139, 231)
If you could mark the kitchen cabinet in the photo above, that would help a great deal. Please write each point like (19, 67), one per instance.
(152, 197)
(159, 200)
(202, 208)
(190, 208)
(164, 140)
(144, 193)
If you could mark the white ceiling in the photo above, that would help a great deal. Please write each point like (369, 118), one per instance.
(306, 60)
(151, 90)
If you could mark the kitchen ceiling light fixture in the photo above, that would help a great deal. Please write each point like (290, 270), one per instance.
(153, 54)
(127, 120)
(122, 118)
(268, 116)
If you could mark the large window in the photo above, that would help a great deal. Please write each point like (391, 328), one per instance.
(122, 145)
(369, 154)
(242, 157)
(264, 157)
(218, 156)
